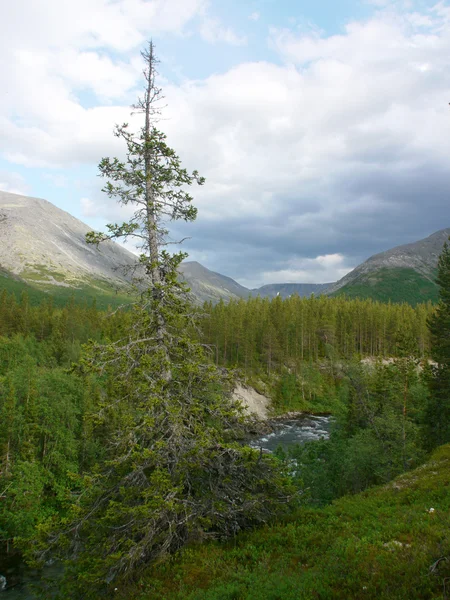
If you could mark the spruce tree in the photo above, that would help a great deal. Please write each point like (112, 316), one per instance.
(437, 418)
(174, 471)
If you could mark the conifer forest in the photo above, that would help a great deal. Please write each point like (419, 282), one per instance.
(125, 457)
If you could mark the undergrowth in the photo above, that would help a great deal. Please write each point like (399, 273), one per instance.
(390, 542)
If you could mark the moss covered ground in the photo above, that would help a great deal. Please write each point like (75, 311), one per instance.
(390, 542)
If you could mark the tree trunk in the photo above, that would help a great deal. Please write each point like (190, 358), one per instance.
(152, 236)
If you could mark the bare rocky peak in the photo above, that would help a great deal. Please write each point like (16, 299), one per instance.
(422, 256)
(42, 242)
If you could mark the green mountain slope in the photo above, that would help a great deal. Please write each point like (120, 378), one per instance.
(402, 274)
(395, 285)
(391, 543)
(60, 296)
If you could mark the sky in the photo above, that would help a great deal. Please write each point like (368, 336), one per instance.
(322, 128)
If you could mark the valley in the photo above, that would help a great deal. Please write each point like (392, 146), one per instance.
(44, 250)
(167, 433)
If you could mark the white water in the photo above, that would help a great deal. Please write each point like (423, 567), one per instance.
(293, 431)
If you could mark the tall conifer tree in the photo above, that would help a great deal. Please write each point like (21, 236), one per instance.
(173, 471)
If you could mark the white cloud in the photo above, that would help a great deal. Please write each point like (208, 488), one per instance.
(212, 31)
(296, 149)
(255, 16)
(118, 24)
(321, 269)
(13, 183)
(63, 50)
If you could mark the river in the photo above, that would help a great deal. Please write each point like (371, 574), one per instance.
(289, 432)
(285, 433)
(20, 579)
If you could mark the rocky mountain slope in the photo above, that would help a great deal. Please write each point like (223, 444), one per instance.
(208, 286)
(403, 273)
(45, 245)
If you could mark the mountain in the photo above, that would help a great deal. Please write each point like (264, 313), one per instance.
(45, 245)
(403, 274)
(208, 286)
(211, 286)
(285, 290)
(43, 249)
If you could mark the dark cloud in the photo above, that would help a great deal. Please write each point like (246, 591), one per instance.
(372, 213)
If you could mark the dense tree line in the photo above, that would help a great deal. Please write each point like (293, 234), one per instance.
(385, 417)
(262, 335)
(47, 437)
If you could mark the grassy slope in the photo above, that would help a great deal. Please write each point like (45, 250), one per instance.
(377, 545)
(396, 285)
(61, 295)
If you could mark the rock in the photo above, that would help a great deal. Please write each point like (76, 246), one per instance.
(253, 402)
(2, 582)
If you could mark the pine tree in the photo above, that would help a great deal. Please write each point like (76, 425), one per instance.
(437, 419)
(8, 408)
(173, 470)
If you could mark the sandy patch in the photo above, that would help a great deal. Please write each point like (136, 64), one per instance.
(253, 402)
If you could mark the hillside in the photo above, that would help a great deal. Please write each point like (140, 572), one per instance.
(402, 274)
(208, 286)
(43, 250)
(391, 542)
(45, 246)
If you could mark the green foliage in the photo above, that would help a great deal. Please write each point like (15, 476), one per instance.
(83, 294)
(171, 471)
(50, 449)
(296, 346)
(43, 441)
(437, 416)
(384, 543)
(376, 435)
(392, 285)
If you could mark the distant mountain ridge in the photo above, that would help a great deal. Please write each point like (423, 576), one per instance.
(45, 247)
(284, 290)
(212, 287)
(209, 286)
(403, 273)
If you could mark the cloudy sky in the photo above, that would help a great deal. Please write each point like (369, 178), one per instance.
(322, 128)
